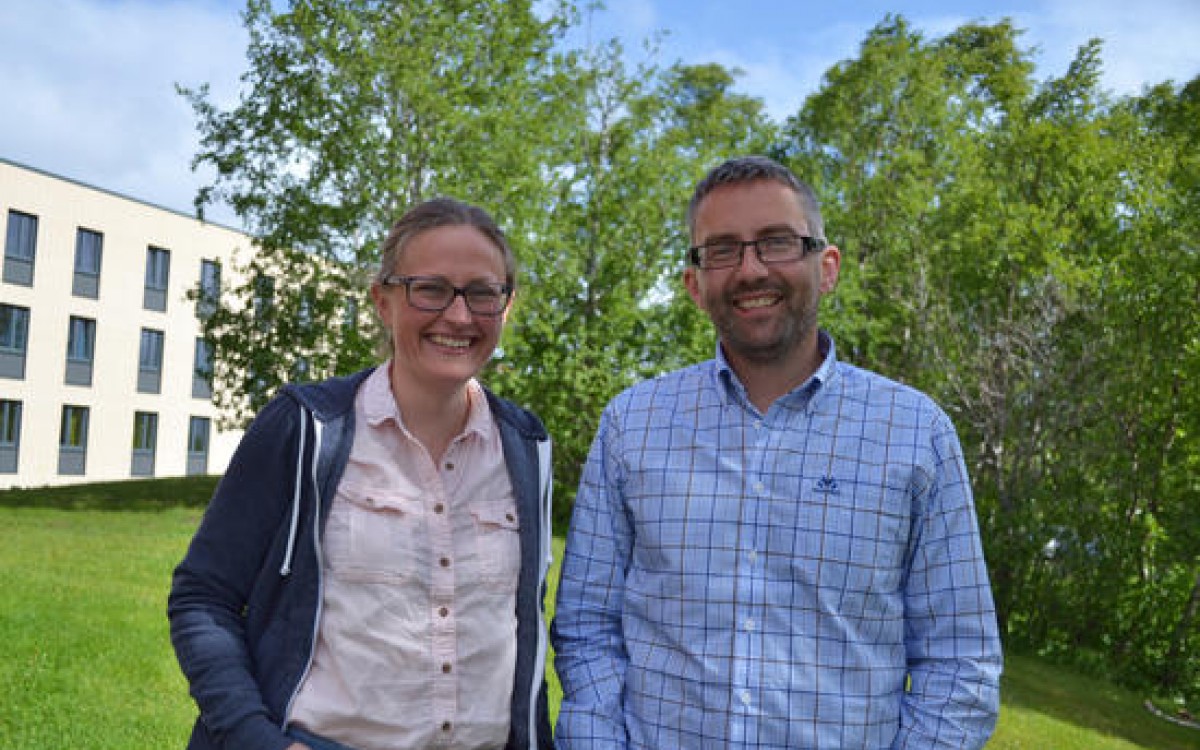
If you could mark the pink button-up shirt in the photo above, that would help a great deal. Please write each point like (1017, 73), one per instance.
(417, 637)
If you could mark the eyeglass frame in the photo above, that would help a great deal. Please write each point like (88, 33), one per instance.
(396, 279)
(808, 246)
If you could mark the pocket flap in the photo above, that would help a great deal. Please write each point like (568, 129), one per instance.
(501, 514)
(380, 499)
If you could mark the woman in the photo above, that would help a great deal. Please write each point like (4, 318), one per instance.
(369, 573)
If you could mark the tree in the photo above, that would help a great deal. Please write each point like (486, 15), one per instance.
(605, 307)
(352, 111)
(1024, 251)
(355, 109)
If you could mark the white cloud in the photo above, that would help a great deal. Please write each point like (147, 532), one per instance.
(89, 88)
(1144, 43)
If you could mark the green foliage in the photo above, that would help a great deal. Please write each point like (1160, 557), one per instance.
(1023, 250)
(602, 306)
(352, 112)
(132, 494)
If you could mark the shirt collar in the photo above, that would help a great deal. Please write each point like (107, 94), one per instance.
(379, 405)
(732, 389)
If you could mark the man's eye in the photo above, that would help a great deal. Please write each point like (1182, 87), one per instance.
(429, 288)
(782, 243)
(722, 250)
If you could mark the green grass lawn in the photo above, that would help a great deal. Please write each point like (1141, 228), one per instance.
(86, 661)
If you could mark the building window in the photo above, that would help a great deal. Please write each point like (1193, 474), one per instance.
(210, 289)
(150, 362)
(20, 248)
(202, 369)
(88, 248)
(10, 435)
(158, 273)
(145, 438)
(72, 441)
(81, 347)
(14, 340)
(264, 298)
(197, 447)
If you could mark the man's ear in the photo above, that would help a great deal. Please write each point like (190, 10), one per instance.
(831, 268)
(692, 284)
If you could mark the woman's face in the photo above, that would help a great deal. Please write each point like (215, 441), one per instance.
(441, 350)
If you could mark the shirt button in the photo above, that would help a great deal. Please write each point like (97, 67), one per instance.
(745, 696)
(439, 508)
(752, 555)
(446, 668)
(758, 487)
(443, 611)
(449, 466)
(445, 726)
(444, 562)
(749, 624)
(509, 517)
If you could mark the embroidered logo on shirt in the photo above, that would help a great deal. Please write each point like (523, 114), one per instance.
(826, 485)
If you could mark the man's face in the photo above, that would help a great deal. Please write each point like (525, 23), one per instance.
(764, 314)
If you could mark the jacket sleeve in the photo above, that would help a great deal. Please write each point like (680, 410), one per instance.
(207, 605)
(590, 655)
(952, 641)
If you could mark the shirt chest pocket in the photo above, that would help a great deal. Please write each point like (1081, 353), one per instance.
(497, 530)
(376, 535)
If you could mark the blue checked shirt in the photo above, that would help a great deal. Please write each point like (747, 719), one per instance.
(741, 580)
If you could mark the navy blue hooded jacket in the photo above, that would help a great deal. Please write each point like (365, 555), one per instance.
(244, 601)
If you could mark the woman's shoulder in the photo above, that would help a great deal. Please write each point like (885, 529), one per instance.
(515, 415)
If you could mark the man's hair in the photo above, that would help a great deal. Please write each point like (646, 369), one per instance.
(750, 169)
(442, 212)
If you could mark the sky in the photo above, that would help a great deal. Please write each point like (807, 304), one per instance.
(89, 86)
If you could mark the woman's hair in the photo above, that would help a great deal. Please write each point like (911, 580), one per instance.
(442, 212)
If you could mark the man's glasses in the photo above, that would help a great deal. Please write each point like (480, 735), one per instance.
(434, 294)
(777, 248)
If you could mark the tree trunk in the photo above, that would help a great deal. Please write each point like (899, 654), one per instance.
(1169, 678)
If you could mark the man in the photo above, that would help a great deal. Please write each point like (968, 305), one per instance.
(773, 549)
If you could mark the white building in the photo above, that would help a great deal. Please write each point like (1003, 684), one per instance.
(101, 360)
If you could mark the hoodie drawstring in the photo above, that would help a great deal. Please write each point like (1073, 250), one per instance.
(293, 529)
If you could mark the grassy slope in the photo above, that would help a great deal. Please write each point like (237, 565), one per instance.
(86, 661)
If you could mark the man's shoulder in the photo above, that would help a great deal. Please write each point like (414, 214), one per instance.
(668, 386)
(873, 388)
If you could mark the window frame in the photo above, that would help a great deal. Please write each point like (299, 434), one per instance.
(197, 460)
(14, 340)
(20, 235)
(89, 245)
(144, 445)
(11, 411)
(208, 296)
(158, 264)
(151, 356)
(73, 431)
(81, 350)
